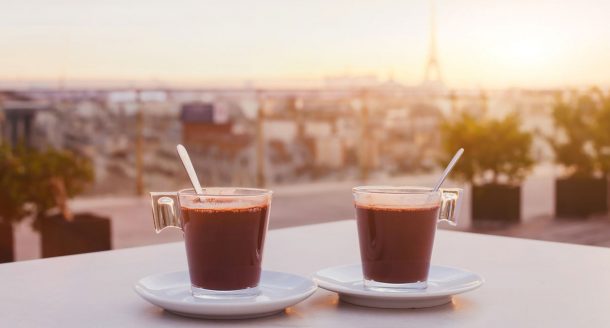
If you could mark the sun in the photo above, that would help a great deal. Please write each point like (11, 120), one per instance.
(527, 48)
(526, 51)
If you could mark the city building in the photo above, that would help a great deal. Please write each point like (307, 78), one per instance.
(17, 118)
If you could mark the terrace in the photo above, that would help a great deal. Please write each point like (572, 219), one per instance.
(317, 129)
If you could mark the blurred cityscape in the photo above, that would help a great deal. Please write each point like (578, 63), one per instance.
(243, 137)
(312, 145)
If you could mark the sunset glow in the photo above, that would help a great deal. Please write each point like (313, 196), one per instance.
(480, 43)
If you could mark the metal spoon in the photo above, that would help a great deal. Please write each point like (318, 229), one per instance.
(448, 169)
(188, 166)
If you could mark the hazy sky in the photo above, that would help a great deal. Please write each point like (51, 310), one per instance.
(486, 43)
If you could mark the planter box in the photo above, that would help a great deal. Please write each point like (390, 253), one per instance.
(496, 203)
(7, 244)
(87, 233)
(581, 197)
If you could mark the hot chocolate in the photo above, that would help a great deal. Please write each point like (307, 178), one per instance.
(396, 243)
(225, 246)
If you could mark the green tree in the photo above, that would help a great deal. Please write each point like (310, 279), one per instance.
(54, 177)
(601, 134)
(496, 150)
(572, 146)
(13, 179)
(582, 144)
(45, 179)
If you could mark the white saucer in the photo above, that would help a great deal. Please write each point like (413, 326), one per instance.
(172, 292)
(443, 283)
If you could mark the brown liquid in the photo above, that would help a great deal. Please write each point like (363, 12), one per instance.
(396, 244)
(224, 247)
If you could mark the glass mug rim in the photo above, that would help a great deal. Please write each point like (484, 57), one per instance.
(394, 190)
(216, 192)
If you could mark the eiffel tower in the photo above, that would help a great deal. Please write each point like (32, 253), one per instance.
(432, 76)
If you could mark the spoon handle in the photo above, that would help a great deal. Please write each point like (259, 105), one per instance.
(454, 160)
(188, 166)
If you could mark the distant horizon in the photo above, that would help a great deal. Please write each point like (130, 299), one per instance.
(271, 84)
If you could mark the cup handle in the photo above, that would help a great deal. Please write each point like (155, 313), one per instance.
(166, 212)
(451, 204)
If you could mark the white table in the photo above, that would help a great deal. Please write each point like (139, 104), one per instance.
(528, 284)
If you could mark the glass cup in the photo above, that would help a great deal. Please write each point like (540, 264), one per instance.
(396, 227)
(224, 234)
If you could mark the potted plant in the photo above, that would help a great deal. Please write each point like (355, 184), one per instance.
(496, 160)
(55, 176)
(13, 198)
(582, 148)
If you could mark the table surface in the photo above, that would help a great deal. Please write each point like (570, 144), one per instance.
(528, 284)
